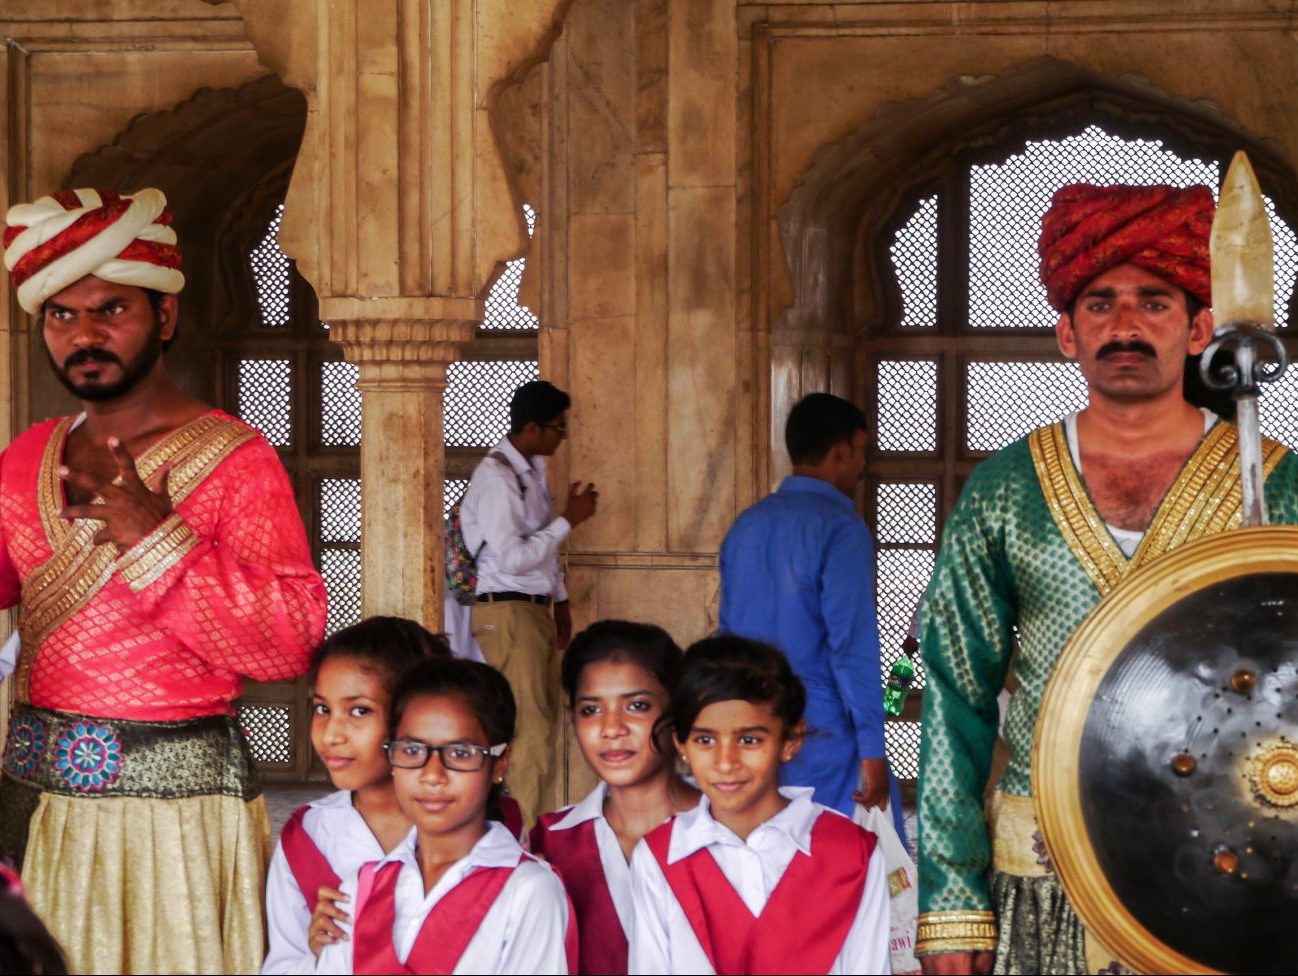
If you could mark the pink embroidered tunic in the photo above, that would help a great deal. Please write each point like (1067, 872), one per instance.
(224, 589)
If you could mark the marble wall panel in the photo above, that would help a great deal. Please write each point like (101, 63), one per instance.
(681, 601)
(703, 47)
(651, 352)
(603, 420)
(601, 266)
(602, 106)
(81, 99)
(651, 75)
(824, 87)
(701, 380)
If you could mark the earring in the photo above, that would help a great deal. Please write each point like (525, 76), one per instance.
(499, 780)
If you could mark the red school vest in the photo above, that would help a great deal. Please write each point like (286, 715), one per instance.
(575, 852)
(446, 931)
(311, 869)
(804, 923)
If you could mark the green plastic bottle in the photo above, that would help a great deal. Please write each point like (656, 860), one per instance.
(899, 679)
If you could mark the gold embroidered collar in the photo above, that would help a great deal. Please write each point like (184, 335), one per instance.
(78, 569)
(1204, 499)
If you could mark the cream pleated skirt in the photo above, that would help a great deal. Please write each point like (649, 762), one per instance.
(145, 844)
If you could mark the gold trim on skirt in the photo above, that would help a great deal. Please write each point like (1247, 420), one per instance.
(141, 885)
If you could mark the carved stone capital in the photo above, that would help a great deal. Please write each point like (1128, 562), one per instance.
(401, 354)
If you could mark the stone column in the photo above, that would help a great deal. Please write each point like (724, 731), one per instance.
(402, 363)
(398, 213)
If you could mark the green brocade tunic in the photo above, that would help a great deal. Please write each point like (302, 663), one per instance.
(1025, 552)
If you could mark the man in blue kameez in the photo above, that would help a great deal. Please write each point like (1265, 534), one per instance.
(797, 571)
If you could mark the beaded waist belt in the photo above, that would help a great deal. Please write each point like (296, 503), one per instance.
(88, 756)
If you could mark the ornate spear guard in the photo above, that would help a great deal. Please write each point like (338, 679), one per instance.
(1245, 351)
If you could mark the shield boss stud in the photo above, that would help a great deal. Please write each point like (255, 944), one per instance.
(1274, 775)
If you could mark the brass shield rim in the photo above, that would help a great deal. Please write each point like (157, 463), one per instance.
(1056, 749)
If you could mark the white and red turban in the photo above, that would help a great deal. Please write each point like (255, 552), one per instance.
(1090, 229)
(61, 238)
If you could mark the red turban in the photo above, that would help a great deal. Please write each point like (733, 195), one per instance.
(1090, 229)
(61, 238)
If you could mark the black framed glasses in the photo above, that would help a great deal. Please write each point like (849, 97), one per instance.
(460, 757)
(561, 428)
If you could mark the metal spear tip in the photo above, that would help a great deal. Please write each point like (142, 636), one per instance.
(1243, 259)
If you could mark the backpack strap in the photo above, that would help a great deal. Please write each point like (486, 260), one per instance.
(498, 456)
(522, 492)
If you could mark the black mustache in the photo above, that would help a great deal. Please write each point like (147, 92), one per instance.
(83, 357)
(1113, 348)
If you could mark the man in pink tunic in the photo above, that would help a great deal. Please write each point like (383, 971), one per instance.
(156, 554)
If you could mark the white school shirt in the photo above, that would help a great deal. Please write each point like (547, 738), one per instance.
(523, 932)
(1128, 540)
(521, 554)
(346, 841)
(617, 872)
(661, 938)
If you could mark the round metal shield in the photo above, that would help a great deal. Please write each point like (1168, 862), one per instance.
(1165, 763)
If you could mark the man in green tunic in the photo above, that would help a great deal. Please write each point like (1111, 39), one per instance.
(1045, 528)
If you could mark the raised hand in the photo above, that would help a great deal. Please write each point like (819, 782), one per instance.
(581, 503)
(324, 928)
(130, 509)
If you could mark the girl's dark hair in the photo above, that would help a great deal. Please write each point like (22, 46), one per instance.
(481, 687)
(729, 668)
(26, 945)
(390, 645)
(652, 648)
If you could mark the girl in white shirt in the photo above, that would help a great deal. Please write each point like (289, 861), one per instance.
(353, 677)
(756, 879)
(458, 894)
(615, 676)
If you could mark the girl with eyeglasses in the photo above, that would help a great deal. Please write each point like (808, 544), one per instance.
(353, 677)
(458, 894)
(756, 878)
(615, 676)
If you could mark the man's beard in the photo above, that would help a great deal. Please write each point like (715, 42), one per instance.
(95, 391)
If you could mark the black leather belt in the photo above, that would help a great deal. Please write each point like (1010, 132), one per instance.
(511, 597)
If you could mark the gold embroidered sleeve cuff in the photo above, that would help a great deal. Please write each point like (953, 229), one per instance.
(939, 932)
(149, 559)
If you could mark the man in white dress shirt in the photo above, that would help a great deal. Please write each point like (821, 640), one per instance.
(508, 525)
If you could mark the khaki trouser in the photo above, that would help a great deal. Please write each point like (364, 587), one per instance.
(517, 639)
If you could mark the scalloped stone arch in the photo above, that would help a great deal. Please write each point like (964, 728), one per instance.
(834, 224)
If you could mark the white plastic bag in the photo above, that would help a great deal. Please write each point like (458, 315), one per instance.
(903, 888)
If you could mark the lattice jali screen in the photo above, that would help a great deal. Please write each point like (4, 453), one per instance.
(1278, 408)
(502, 308)
(452, 492)
(907, 512)
(1005, 400)
(901, 577)
(340, 510)
(902, 739)
(269, 731)
(1007, 201)
(341, 569)
(914, 256)
(270, 275)
(340, 405)
(907, 405)
(1285, 244)
(266, 398)
(477, 399)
